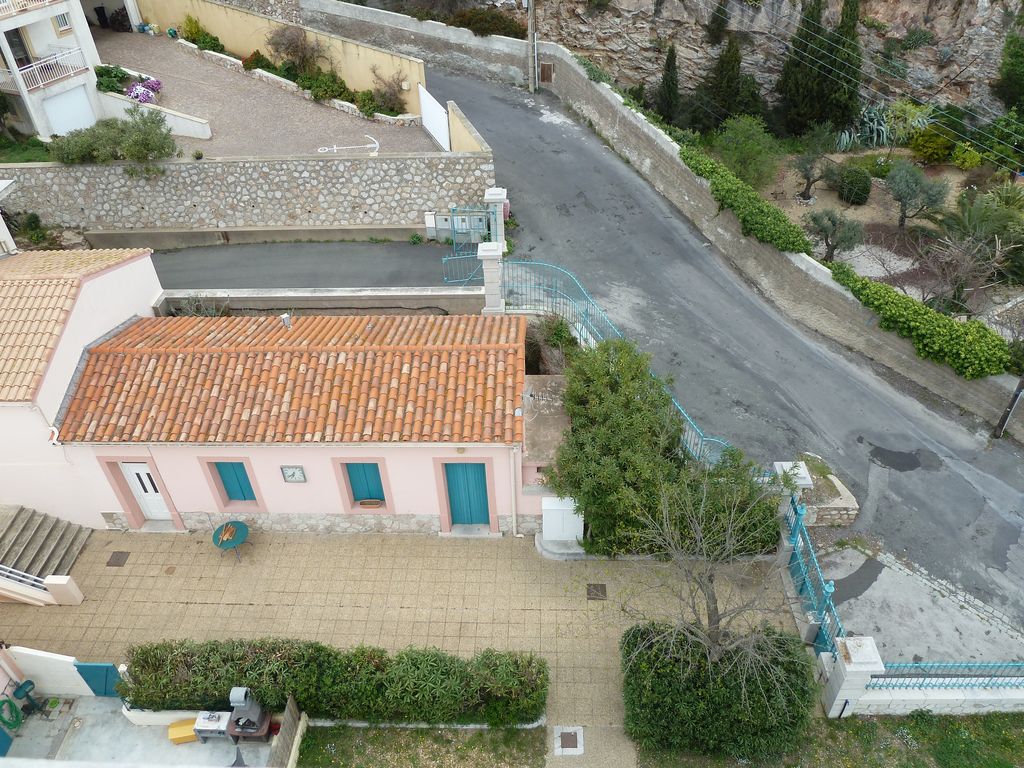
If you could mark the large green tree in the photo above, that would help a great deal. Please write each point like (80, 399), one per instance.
(841, 99)
(725, 92)
(1010, 85)
(802, 85)
(666, 98)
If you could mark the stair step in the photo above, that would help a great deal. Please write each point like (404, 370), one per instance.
(13, 524)
(53, 547)
(26, 535)
(72, 551)
(38, 542)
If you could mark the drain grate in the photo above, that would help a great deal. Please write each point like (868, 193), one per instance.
(117, 559)
(597, 591)
(568, 741)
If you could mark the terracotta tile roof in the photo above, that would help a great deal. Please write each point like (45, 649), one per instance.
(325, 380)
(37, 292)
(81, 263)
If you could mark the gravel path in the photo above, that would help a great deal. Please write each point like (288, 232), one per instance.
(248, 117)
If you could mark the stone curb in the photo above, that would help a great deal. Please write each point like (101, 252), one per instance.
(325, 722)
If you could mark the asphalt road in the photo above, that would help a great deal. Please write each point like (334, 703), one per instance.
(932, 490)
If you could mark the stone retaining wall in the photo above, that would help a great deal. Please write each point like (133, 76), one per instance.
(247, 192)
(305, 523)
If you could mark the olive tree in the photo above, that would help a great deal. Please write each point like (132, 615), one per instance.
(833, 230)
(914, 192)
(813, 160)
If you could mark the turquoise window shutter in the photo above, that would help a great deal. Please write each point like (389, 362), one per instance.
(365, 482)
(235, 481)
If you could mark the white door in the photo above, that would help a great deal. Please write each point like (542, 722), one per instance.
(69, 110)
(141, 481)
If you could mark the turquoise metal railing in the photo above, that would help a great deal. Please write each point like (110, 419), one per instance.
(950, 674)
(535, 286)
(814, 590)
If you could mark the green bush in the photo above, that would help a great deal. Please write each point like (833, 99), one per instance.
(208, 42)
(966, 157)
(758, 217)
(971, 348)
(852, 183)
(325, 85)
(192, 31)
(876, 165)
(367, 103)
(257, 60)
(676, 698)
(748, 150)
(488, 21)
(933, 145)
(1016, 366)
(364, 683)
(111, 79)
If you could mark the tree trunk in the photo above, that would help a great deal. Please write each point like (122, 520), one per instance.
(707, 587)
(830, 251)
(806, 194)
(903, 216)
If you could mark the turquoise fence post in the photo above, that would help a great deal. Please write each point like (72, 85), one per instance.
(798, 520)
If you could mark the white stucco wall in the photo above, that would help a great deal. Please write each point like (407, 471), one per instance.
(105, 301)
(64, 481)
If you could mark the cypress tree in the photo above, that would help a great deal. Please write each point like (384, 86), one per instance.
(666, 98)
(841, 103)
(801, 87)
(724, 92)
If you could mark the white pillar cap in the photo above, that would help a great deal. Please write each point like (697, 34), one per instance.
(490, 251)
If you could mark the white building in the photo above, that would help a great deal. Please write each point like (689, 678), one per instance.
(49, 56)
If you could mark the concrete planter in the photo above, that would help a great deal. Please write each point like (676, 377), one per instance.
(161, 717)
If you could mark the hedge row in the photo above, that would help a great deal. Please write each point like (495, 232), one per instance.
(365, 683)
(759, 218)
(677, 698)
(971, 348)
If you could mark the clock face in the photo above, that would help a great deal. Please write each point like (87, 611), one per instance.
(294, 474)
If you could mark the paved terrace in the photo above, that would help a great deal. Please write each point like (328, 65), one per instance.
(394, 591)
(248, 117)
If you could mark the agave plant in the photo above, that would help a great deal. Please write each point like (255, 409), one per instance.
(871, 130)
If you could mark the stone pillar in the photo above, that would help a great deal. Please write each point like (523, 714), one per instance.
(856, 661)
(490, 255)
(64, 590)
(495, 199)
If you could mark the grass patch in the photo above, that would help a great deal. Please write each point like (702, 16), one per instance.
(30, 150)
(920, 740)
(423, 748)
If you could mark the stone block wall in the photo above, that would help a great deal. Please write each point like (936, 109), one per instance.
(303, 523)
(247, 192)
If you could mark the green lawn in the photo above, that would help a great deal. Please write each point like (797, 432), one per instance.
(918, 741)
(422, 748)
(28, 151)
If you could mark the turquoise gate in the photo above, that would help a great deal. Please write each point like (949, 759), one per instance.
(468, 228)
(814, 590)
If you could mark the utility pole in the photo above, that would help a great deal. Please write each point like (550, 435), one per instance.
(998, 431)
(531, 33)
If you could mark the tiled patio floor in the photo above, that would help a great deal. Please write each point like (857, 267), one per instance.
(248, 117)
(390, 590)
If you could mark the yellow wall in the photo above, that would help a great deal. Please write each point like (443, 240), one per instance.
(243, 32)
(462, 134)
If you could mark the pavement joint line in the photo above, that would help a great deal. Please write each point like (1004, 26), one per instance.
(948, 590)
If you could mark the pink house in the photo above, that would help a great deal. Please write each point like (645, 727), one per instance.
(364, 423)
(52, 305)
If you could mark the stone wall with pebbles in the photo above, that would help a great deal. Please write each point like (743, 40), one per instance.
(247, 192)
(303, 523)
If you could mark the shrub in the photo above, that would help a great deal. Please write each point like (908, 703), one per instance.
(363, 683)
(594, 71)
(876, 165)
(748, 150)
(256, 60)
(143, 138)
(488, 21)
(111, 79)
(932, 145)
(851, 182)
(31, 221)
(190, 29)
(208, 42)
(388, 92)
(915, 38)
(971, 348)
(415, 238)
(758, 217)
(367, 103)
(325, 85)
(291, 43)
(966, 157)
(197, 154)
(1016, 364)
(677, 698)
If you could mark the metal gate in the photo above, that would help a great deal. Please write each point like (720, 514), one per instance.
(469, 228)
(101, 678)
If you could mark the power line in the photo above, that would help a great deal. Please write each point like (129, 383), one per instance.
(882, 97)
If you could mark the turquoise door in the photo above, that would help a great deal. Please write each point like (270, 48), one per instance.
(467, 493)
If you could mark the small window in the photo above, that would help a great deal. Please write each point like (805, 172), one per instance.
(235, 481)
(63, 22)
(364, 480)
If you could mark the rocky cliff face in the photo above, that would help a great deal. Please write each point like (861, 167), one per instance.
(630, 37)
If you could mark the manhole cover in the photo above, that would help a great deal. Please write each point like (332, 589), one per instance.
(597, 591)
(117, 559)
(568, 741)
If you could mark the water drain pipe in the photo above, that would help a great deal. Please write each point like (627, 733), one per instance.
(513, 467)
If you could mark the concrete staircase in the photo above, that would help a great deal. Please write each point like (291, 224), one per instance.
(39, 544)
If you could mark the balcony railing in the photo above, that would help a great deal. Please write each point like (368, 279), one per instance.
(54, 67)
(11, 7)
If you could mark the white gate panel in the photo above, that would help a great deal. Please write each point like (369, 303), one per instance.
(69, 111)
(560, 521)
(435, 119)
